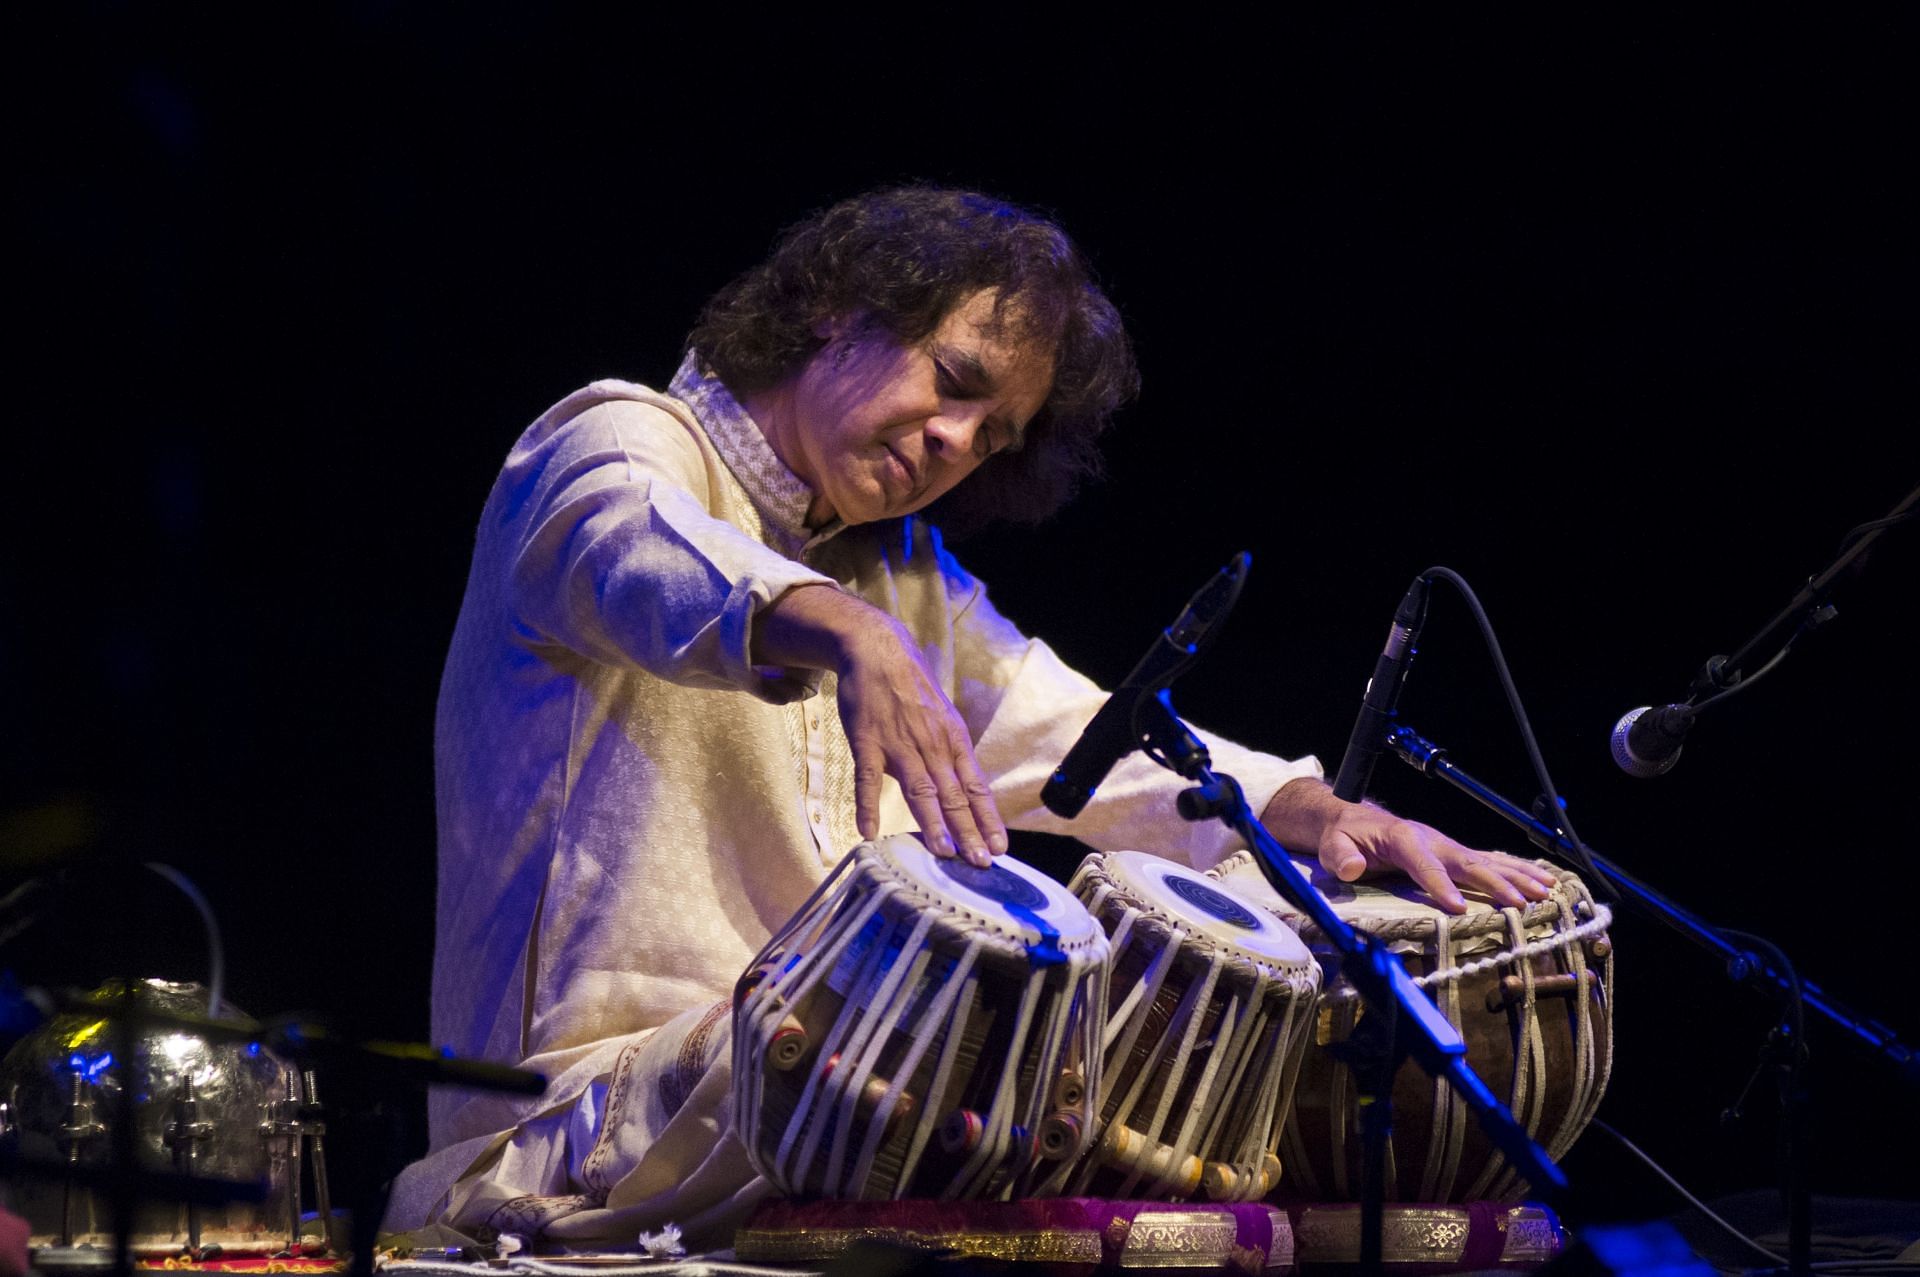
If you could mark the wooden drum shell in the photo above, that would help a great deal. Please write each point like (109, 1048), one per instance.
(1530, 992)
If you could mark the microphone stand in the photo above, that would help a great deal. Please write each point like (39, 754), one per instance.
(1787, 1050)
(1807, 608)
(1402, 1023)
(1725, 676)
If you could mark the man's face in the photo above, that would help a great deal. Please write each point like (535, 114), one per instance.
(879, 430)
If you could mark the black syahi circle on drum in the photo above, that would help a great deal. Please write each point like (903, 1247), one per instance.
(1214, 904)
(996, 883)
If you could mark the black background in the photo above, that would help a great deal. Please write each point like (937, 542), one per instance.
(1616, 319)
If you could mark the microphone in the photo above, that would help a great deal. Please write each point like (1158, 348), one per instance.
(1646, 741)
(1110, 736)
(1383, 693)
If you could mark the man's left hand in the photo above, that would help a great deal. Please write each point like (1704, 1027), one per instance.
(1356, 838)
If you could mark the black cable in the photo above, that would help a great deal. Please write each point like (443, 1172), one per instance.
(1555, 807)
(210, 928)
(1871, 526)
(1687, 1196)
(1751, 679)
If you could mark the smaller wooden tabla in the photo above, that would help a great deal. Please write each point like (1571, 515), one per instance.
(922, 1028)
(1212, 1008)
(1531, 991)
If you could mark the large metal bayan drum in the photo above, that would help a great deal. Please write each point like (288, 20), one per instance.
(226, 1110)
(921, 1028)
(1212, 1009)
(1531, 992)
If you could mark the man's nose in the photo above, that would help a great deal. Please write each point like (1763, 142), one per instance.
(955, 434)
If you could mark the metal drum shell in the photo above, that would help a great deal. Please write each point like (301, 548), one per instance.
(232, 1083)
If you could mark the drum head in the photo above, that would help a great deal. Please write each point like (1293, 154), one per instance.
(1008, 897)
(1205, 906)
(1384, 899)
(1394, 908)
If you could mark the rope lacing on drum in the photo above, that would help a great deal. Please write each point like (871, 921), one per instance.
(1601, 920)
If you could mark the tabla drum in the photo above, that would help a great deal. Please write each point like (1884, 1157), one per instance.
(229, 1110)
(1211, 1011)
(1531, 991)
(922, 1028)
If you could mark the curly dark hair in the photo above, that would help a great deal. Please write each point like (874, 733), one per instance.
(899, 261)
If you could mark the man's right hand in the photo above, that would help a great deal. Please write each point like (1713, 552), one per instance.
(898, 720)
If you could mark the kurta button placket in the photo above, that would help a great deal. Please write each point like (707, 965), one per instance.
(816, 768)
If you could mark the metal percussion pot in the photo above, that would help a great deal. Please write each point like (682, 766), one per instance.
(228, 1110)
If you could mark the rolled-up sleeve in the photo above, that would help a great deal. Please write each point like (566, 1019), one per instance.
(615, 552)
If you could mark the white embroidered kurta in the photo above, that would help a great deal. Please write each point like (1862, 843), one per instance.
(628, 807)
